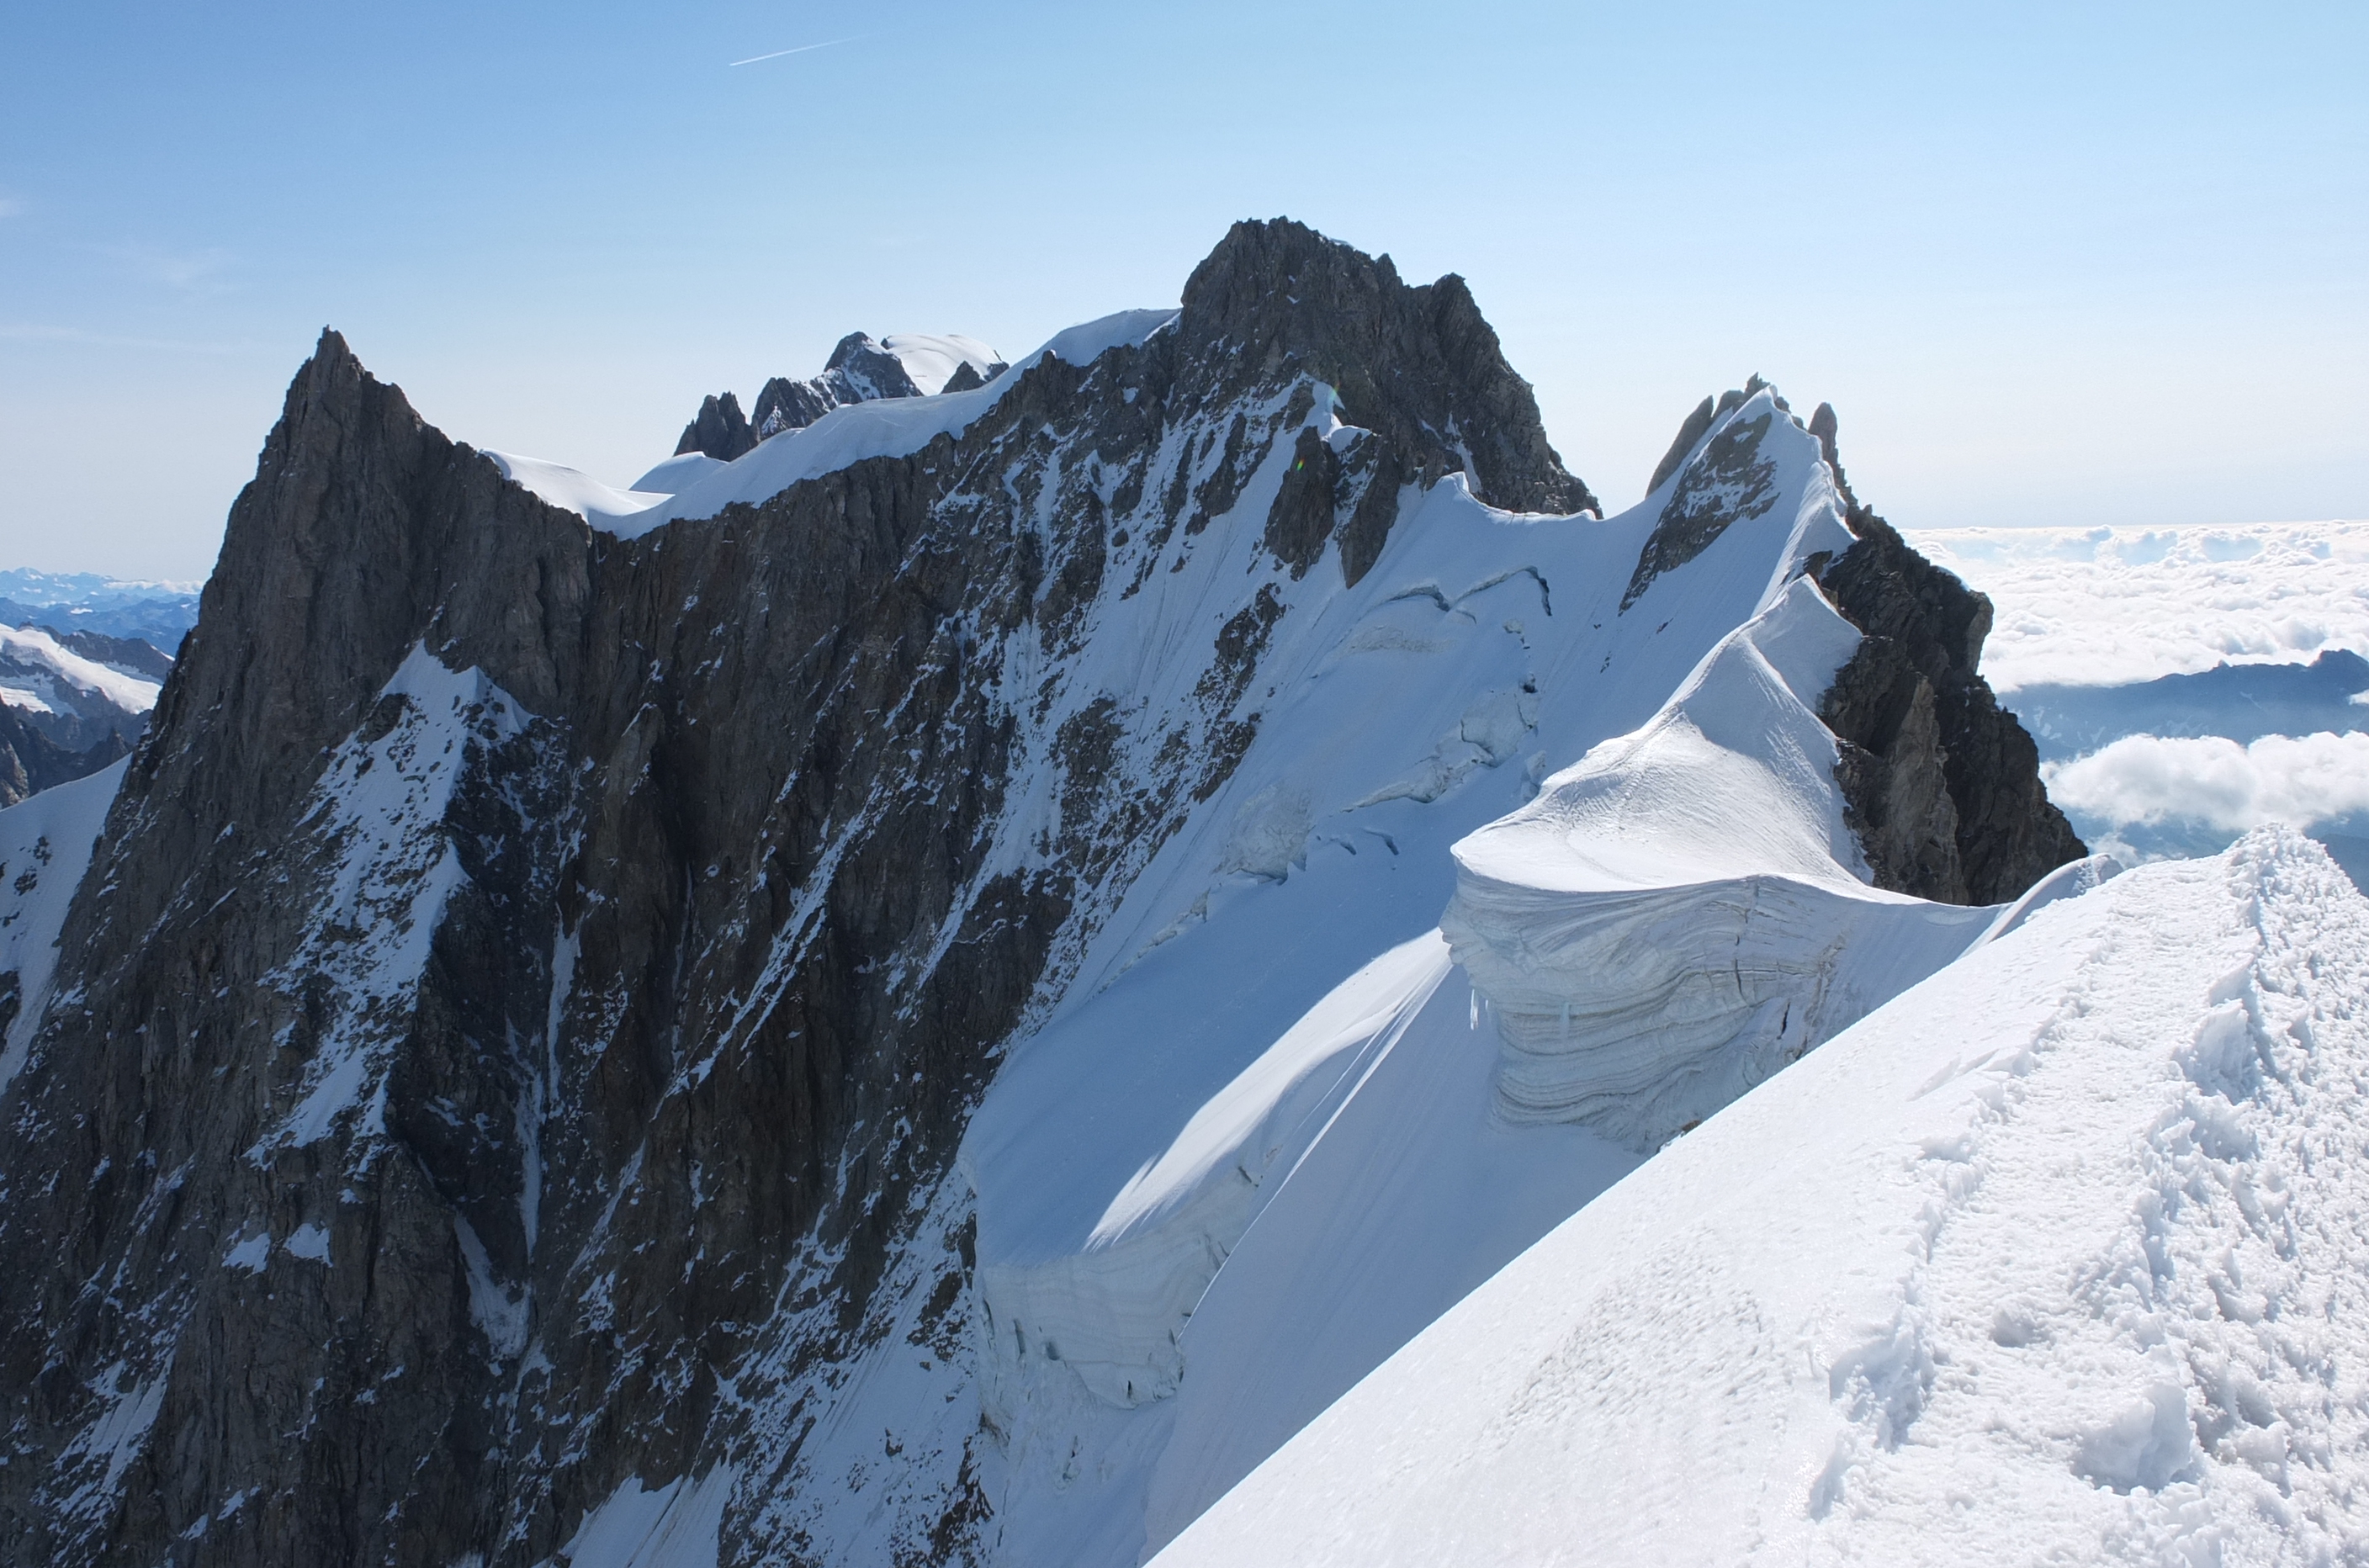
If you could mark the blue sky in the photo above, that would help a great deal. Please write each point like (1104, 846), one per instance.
(2051, 264)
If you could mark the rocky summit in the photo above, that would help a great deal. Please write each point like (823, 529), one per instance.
(599, 1048)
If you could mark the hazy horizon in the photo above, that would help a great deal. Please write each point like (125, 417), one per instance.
(2100, 270)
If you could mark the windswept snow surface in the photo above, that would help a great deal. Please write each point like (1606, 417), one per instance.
(885, 428)
(1268, 1136)
(609, 510)
(2062, 1256)
(931, 358)
(673, 1526)
(45, 847)
(1685, 912)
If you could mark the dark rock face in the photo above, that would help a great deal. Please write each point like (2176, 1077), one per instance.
(1696, 425)
(1417, 366)
(1731, 481)
(532, 982)
(787, 405)
(1823, 426)
(721, 431)
(1942, 785)
(866, 370)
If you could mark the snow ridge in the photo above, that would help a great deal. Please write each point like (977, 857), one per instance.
(2061, 1253)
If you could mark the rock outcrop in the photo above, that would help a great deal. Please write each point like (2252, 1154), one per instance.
(720, 431)
(860, 370)
(1942, 783)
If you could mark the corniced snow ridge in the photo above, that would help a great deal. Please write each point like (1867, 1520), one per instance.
(2062, 1253)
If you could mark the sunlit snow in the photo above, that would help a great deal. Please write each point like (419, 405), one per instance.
(2063, 1256)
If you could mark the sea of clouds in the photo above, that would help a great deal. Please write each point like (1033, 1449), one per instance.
(2112, 608)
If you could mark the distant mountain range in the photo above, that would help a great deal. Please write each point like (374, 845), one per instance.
(82, 658)
(158, 613)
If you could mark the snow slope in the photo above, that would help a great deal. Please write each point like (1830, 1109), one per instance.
(2062, 1256)
(1279, 1124)
(39, 675)
(45, 847)
(932, 358)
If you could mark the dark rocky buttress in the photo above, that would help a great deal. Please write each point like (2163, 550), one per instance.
(530, 981)
(1941, 783)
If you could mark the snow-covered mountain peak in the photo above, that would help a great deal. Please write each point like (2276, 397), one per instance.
(861, 369)
(985, 993)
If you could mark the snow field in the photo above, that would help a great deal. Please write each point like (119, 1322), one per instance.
(45, 846)
(1264, 1140)
(54, 673)
(2062, 1256)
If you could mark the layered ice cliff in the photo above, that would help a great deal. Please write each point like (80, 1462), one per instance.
(2061, 1255)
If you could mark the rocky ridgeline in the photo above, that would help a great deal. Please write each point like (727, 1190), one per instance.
(469, 1091)
(860, 370)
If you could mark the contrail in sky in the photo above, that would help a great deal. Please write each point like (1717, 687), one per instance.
(799, 50)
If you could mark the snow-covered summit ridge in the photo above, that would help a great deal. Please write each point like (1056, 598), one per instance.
(1684, 912)
(2060, 1255)
(846, 434)
(1211, 1190)
(1104, 757)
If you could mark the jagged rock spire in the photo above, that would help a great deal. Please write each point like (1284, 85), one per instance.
(1419, 365)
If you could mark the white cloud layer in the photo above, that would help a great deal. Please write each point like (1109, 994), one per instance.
(2106, 606)
(2148, 779)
